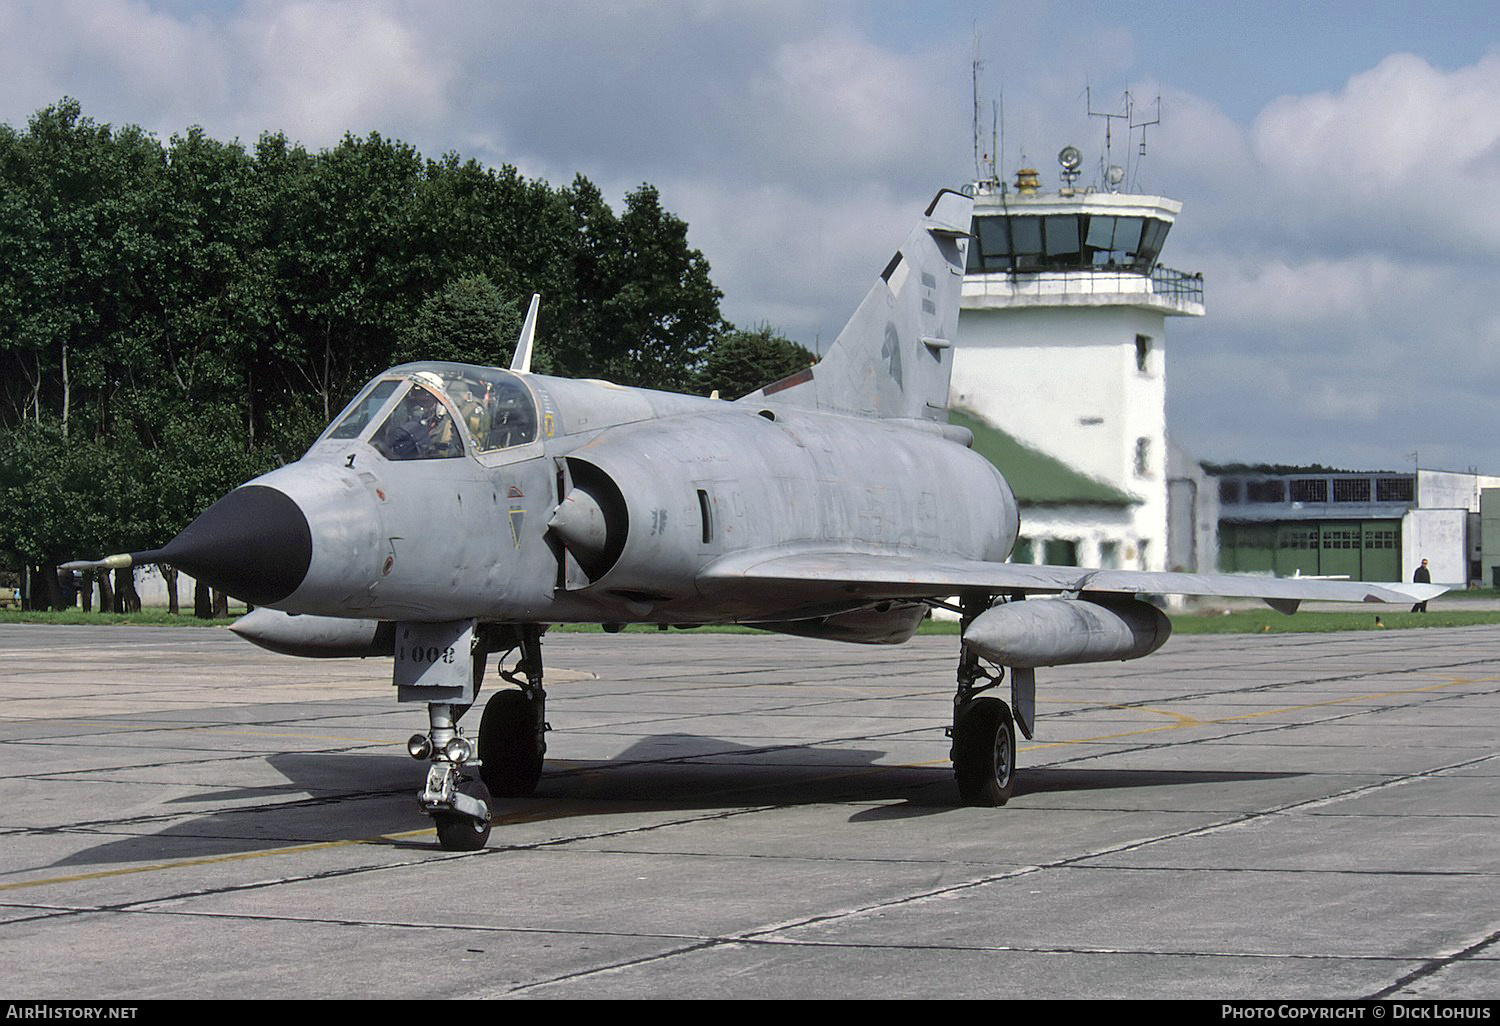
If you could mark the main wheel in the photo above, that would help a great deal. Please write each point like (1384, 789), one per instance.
(984, 752)
(511, 745)
(457, 832)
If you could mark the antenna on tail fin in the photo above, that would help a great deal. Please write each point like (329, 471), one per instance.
(521, 362)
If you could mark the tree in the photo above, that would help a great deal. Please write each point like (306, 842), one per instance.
(739, 361)
(175, 319)
(48, 488)
(469, 321)
(660, 310)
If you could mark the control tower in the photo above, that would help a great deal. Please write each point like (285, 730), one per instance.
(1061, 346)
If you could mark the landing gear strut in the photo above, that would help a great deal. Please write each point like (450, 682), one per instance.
(458, 804)
(983, 732)
(513, 733)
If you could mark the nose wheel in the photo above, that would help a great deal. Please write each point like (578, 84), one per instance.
(506, 762)
(460, 831)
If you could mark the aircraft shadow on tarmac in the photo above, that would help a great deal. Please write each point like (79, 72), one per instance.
(334, 797)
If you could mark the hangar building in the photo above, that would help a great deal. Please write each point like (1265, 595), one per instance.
(1366, 526)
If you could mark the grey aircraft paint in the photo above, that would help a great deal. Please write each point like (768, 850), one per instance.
(453, 511)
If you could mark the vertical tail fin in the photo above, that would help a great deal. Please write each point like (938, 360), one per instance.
(894, 357)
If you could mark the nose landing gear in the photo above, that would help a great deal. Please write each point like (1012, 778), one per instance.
(443, 665)
(458, 804)
(439, 664)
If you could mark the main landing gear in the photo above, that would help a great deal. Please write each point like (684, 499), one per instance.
(984, 729)
(507, 762)
(984, 738)
(513, 733)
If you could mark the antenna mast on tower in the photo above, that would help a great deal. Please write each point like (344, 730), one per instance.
(1109, 120)
(1113, 173)
(1143, 125)
(986, 169)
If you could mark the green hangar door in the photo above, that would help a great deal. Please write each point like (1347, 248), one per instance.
(1364, 550)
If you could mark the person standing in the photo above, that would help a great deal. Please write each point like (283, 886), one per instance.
(1421, 577)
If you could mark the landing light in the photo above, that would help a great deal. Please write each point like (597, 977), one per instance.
(459, 750)
(419, 746)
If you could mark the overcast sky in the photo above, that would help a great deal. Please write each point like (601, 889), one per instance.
(1339, 163)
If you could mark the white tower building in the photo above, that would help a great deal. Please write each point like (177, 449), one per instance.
(1061, 345)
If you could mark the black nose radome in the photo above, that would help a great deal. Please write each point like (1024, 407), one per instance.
(254, 544)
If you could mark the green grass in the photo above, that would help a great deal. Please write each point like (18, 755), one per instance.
(1471, 593)
(145, 618)
(1368, 619)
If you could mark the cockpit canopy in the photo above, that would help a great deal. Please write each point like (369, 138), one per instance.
(428, 411)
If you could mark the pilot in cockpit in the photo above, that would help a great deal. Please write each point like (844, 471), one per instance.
(409, 434)
(420, 428)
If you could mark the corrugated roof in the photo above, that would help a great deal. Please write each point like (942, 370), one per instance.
(1036, 478)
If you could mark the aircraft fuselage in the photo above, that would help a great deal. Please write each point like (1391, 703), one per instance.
(661, 486)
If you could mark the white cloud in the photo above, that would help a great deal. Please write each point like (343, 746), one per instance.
(318, 69)
(1403, 149)
(313, 69)
(1347, 235)
(1349, 246)
(1359, 291)
(800, 262)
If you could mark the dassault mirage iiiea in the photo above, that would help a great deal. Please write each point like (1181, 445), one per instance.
(452, 512)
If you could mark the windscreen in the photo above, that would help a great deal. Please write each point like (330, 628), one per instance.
(360, 411)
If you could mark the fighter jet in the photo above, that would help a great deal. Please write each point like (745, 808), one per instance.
(453, 512)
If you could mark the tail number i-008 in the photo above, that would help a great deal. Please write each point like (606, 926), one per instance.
(431, 654)
(434, 654)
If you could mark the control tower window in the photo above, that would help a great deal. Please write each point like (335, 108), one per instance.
(1115, 242)
(1060, 242)
(1100, 240)
(1026, 240)
(990, 251)
(1152, 237)
(1061, 236)
(1128, 238)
